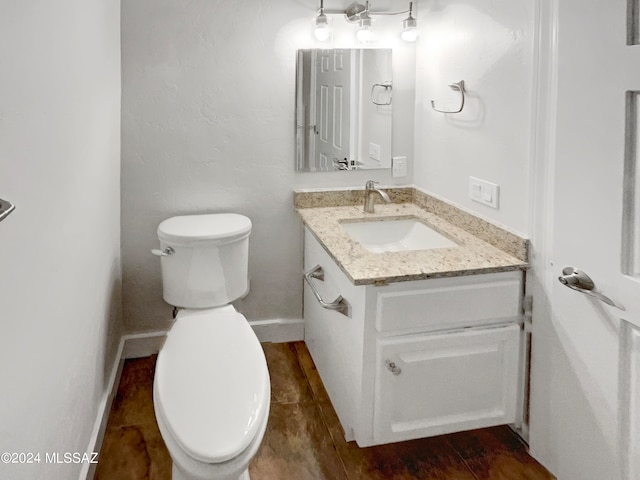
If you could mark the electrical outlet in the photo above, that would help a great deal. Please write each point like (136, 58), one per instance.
(484, 192)
(399, 166)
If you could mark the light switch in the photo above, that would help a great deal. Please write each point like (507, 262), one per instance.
(476, 191)
(484, 192)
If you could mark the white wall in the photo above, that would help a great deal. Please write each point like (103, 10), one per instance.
(59, 250)
(489, 45)
(208, 126)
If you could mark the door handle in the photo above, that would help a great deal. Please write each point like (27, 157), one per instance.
(581, 282)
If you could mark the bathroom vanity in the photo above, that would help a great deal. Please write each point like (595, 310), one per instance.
(421, 342)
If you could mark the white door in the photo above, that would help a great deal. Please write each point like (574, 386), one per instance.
(586, 353)
(333, 99)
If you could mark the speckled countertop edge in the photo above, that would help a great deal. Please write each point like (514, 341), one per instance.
(472, 256)
(498, 236)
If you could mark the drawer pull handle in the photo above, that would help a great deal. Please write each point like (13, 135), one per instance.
(340, 305)
(392, 367)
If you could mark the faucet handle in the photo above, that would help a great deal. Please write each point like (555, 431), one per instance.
(370, 184)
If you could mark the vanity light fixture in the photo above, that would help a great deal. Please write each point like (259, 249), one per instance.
(361, 14)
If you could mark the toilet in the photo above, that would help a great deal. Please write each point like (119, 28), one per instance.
(211, 388)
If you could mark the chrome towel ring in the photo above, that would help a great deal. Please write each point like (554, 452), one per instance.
(459, 87)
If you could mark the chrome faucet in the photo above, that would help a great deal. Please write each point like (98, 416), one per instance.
(369, 194)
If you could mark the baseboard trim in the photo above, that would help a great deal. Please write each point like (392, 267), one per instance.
(138, 345)
(278, 330)
(87, 471)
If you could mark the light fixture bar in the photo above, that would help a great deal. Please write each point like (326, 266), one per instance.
(353, 12)
(361, 14)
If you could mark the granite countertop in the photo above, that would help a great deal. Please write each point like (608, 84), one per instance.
(362, 267)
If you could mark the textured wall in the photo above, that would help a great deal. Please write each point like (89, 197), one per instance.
(489, 45)
(60, 249)
(208, 126)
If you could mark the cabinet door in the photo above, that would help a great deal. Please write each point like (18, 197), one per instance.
(445, 382)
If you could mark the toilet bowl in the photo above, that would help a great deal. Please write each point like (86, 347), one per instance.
(211, 387)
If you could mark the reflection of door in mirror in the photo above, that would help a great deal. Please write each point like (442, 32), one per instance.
(332, 109)
(343, 109)
(323, 134)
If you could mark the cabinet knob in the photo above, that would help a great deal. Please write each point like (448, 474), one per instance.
(393, 368)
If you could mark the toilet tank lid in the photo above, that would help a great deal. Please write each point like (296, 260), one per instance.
(212, 383)
(213, 228)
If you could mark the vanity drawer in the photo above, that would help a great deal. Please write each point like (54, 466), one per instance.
(446, 303)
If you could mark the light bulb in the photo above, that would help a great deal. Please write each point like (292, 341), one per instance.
(365, 32)
(409, 27)
(322, 32)
(409, 33)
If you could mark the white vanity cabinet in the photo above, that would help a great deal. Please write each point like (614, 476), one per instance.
(416, 358)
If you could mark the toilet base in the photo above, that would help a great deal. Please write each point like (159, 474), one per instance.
(176, 474)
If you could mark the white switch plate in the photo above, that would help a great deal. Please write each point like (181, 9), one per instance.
(374, 151)
(484, 192)
(399, 166)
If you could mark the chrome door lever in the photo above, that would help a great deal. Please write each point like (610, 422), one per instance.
(581, 282)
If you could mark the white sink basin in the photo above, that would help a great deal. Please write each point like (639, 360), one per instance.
(396, 235)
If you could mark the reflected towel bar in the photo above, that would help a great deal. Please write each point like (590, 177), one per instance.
(386, 86)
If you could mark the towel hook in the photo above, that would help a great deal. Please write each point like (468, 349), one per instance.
(458, 87)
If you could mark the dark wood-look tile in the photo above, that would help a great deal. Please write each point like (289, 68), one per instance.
(288, 382)
(310, 371)
(133, 452)
(304, 438)
(296, 445)
(133, 402)
(497, 454)
(423, 459)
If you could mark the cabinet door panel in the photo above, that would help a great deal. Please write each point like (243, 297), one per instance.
(446, 383)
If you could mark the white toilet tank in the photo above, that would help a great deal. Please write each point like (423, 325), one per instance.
(206, 261)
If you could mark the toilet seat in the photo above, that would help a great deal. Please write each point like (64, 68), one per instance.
(212, 383)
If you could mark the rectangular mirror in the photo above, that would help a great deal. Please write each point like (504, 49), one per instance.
(343, 109)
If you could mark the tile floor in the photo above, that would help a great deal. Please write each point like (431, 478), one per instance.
(304, 440)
